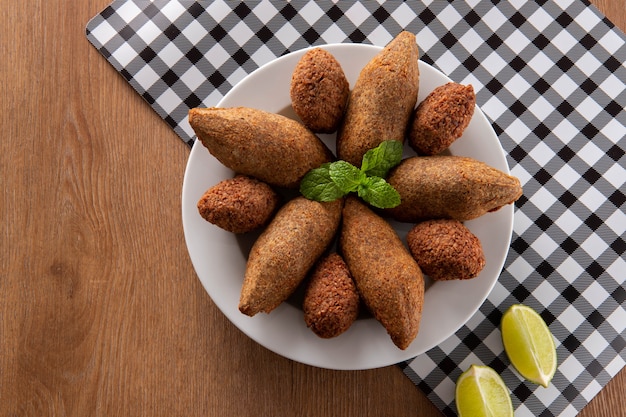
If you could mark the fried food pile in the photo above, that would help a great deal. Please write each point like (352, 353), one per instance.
(370, 267)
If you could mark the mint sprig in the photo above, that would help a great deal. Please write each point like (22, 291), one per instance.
(320, 186)
(377, 192)
(346, 176)
(378, 161)
(334, 180)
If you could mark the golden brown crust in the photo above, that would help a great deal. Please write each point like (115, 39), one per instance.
(461, 188)
(381, 101)
(445, 249)
(387, 277)
(319, 91)
(441, 118)
(267, 146)
(331, 301)
(239, 205)
(282, 256)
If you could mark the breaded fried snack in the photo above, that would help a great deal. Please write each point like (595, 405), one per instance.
(446, 249)
(319, 91)
(381, 101)
(386, 275)
(441, 118)
(331, 301)
(285, 252)
(454, 187)
(239, 205)
(267, 146)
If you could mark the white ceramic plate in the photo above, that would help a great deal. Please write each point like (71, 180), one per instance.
(219, 257)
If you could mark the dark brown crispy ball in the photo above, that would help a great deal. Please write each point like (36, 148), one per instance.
(446, 249)
(331, 301)
(239, 205)
(319, 91)
(441, 118)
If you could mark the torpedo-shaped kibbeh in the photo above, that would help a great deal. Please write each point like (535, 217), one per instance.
(453, 187)
(264, 145)
(382, 100)
(388, 279)
(285, 252)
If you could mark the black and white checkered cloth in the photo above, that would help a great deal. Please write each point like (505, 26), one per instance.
(549, 75)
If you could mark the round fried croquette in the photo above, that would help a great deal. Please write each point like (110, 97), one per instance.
(319, 91)
(239, 205)
(331, 301)
(441, 118)
(446, 249)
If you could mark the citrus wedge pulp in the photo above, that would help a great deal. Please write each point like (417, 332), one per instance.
(529, 344)
(481, 392)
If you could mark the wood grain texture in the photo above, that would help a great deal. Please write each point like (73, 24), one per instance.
(101, 313)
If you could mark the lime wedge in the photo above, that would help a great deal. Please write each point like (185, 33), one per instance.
(480, 392)
(529, 344)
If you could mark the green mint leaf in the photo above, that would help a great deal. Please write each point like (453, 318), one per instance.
(377, 192)
(334, 180)
(378, 161)
(346, 176)
(318, 185)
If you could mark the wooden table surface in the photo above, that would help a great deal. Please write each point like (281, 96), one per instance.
(101, 312)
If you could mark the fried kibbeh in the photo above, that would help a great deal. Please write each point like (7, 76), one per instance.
(441, 118)
(284, 253)
(382, 100)
(239, 205)
(331, 300)
(446, 249)
(260, 144)
(455, 187)
(319, 91)
(387, 277)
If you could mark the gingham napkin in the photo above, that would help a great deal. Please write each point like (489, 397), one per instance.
(549, 75)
